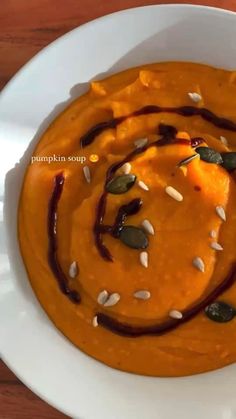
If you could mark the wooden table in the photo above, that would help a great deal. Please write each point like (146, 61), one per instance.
(26, 26)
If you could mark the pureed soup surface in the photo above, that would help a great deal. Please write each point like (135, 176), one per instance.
(132, 252)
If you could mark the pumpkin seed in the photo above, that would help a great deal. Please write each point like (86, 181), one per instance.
(134, 237)
(175, 314)
(187, 160)
(209, 155)
(229, 160)
(120, 184)
(220, 312)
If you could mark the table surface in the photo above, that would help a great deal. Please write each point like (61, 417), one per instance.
(25, 28)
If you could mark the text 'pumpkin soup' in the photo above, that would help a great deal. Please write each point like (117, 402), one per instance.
(128, 233)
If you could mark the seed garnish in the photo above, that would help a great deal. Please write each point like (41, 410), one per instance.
(212, 234)
(102, 297)
(140, 142)
(175, 314)
(73, 270)
(87, 173)
(221, 212)
(195, 97)
(148, 227)
(199, 264)
(143, 185)
(133, 237)
(173, 193)
(126, 168)
(95, 321)
(187, 160)
(142, 295)
(120, 184)
(209, 155)
(112, 300)
(144, 259)
(216, 246)
(224, 140)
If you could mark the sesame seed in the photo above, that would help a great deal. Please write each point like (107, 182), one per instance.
(148, 227)
(142, 295)
(143, 185)
(144, 259)
(221, 212)
(195, 97)
(224, 140)
(140, 142)
(173, 193)
(73, 270)
(216, 246)
(199, 264)
(126, 168)
(95, 321)
(102, 297)
(175, 314)
(112, 300)
(212, 234)
(87, 173)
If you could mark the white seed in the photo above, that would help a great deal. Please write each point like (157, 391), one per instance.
(175, 314)
(195, 97)
(144, 259)
(87, 173)
(224, 140)
(73, 270)
(126, 168)
(199, 264)
(216, 246)
(102, 297)
(142, 295)
(187, 160)
(112, 300)
(95, 321)
(221, 212)
(212, 234)
(143, 185)
(173, 193)
(148, 227)
(140, 142)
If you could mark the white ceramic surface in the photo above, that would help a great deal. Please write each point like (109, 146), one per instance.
(29, 344)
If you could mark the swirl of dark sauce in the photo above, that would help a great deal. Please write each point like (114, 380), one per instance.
(54, 264)
(186, 111)
(128, 330)
(168, 136)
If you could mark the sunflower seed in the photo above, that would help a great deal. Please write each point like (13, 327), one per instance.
(95, 321)
(102, 297)
(134, 237)
(73, 270)
(143, 185)
(87, 173)
(199, 264)
(126, 168)
(144, 259)
(142, 295)
(212, 234)
(173, 193)
(112, 300)
(216, 246)
(148, 227)
(221, 212)
(175, 314)
(187, 160)
(140, 142)
(224, 140)
(120, 184)
(195, 97)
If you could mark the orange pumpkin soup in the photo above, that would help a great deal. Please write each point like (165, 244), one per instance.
(128, 231)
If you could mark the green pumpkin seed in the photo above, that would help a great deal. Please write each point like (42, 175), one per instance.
(220, 312)
(134, 237)
(229, 160)
(120, 184)
(209, 155)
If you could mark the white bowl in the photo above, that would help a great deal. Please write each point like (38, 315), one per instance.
(29, 344)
